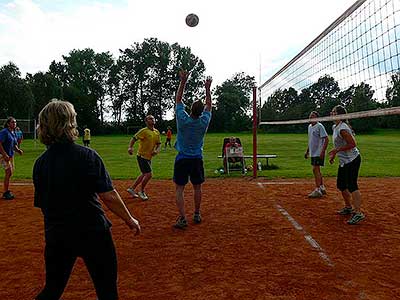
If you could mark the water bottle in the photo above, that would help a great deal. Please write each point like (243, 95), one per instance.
(259, 165)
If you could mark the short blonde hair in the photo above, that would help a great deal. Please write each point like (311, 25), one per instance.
(57, 123)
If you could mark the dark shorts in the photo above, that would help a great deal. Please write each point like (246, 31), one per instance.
(144, 165)
(348, 175)
(317, 161)
(186, 168)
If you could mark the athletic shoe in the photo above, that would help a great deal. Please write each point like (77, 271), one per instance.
(345, 211)
(357, 217)
(315, 194)
(322, 190)
(197, 218)
(143, 196)
(132, 192)
(8, 195)
(181, 223)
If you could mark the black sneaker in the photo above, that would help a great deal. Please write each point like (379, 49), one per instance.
(8, 196)
(345, 211)
(357, 217)
(197, 218)
(181, 223)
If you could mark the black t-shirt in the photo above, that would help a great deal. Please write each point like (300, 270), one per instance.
(67, 178)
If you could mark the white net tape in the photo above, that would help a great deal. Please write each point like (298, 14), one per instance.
(355, 115)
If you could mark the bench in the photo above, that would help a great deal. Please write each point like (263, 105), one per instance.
(266, 156)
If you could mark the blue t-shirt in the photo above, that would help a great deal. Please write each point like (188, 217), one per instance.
(8, 140)
(19, 134)
(190, 136)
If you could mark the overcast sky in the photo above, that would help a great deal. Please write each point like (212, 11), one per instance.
(232, 35)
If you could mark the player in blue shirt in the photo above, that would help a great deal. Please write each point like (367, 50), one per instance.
(191, 130)
(8, 146)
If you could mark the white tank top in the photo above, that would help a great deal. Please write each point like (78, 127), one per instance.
(348, 156)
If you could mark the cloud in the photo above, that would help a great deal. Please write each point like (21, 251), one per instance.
(231, 35)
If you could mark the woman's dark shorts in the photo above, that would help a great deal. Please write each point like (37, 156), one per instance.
(348, 175)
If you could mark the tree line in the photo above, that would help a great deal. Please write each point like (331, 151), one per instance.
(323, 95)
(111, 94)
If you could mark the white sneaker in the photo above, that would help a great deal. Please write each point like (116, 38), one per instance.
(322, 190)
(132, 192)
(315, 194)
(143, 196)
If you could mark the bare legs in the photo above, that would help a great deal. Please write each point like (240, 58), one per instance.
(142, 179)
(197, 197)
(7, 177)
(317, 176)
(180, 201)
(355, 196)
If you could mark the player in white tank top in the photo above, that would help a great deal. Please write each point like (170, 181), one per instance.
(349, 164)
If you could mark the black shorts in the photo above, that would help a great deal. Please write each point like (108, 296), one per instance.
(144, 165)
(348, 175)
(186, 168)
(317, 161)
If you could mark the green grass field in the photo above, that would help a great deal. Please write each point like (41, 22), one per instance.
(379, 153)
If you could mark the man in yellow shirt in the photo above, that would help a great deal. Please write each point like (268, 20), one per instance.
(149, 146)
(86, 137)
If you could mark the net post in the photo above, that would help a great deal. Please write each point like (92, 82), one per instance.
(254, 132)
(34, 132)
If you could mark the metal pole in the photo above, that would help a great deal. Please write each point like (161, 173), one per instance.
(254, 132)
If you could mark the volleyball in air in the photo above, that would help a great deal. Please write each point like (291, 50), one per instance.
(192, 20)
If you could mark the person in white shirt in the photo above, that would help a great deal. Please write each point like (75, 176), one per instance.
(317, 143)
(349, 165)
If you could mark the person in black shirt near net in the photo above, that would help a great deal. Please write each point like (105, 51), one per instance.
(69, 179)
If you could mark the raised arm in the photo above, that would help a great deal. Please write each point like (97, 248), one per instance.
(208, 93)
(183, 75)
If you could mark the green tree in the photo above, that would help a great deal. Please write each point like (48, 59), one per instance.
(44, 87)
(148, 71)
(16, 98)
(324, 94)
(362, 100)
(393, 100)
(233, 103)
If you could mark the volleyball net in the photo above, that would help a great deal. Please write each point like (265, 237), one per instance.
(356, 115)
(362, 46)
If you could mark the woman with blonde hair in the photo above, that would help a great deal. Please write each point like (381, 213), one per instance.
(349, 165)
(68, 180)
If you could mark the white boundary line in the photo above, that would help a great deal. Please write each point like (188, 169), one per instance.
(313, 243)
(276, 183)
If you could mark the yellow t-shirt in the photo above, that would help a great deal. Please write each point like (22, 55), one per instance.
(148, 140)
(86, 134)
